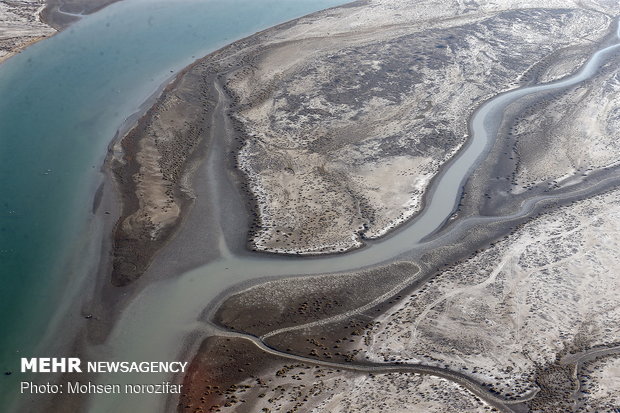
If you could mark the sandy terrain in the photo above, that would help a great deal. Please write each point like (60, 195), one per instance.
(507, 314)
(331, 157)
(293, 302)
(151, 166)
(600, 381)
(516, 317)
(574, 133)
(401, 393)
(339, 123)
(335, 155)
(23, 22)
(234, 375)
(20, 25)
(61, 13)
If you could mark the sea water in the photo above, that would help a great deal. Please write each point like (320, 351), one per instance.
(61, 102)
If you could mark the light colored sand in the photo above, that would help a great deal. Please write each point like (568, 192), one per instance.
(20, 25)
(158, 207)
(601, 384)
(347, 117)
(572, 134)
(549, 288)
(303, 388)
(402, 393)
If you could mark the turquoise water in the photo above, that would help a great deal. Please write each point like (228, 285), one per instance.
(61, 102)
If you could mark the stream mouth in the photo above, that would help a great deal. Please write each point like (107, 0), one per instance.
(162, 317)
(62, 101)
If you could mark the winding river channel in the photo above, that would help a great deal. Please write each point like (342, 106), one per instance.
(166, 313)
(63, 100)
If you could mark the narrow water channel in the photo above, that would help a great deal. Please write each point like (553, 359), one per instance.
(61, 102)
(157, 323)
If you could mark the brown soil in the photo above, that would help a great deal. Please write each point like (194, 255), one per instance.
(213, 375)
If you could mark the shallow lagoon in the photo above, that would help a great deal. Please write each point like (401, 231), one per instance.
(61, 102)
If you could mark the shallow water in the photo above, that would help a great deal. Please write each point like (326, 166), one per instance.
(61, 102)
(174, 305)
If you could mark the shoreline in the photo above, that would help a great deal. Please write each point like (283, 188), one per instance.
(265, 351)
(182, 191)
(22, 47)
(331, 331)
(48, 13)
(112, 296)
(68, 259)
(105, 198)
(468, 181)
(153, 102)
(363, 242)
(28, 39)
(54, 17)
(527, 216)
(114, 190)
(453, 252)
(103, 215)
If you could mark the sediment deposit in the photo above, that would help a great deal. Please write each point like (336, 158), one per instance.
(152, 166)
(329, 136)
(20, 25)
(507, 315)
(600, 379)
(344, 132)
(23, 22)
(338, 123)
(332, 155)
(61, 13)
(268, 383)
